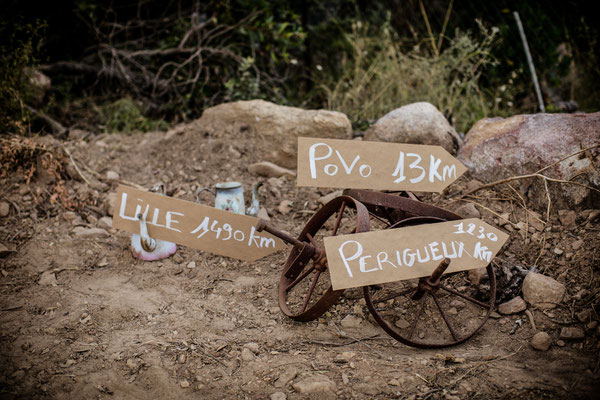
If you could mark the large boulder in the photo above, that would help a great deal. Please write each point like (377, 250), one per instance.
(497, 148)
(416, 123)
(274, 129)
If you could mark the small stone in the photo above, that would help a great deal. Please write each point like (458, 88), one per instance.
(285, 207)
(468, 210)
(18, 375)
(452, 311)
(105, 223)
(181, 359)
(4, 251)
(263, 214)
(344, 357)
(270, 170)
(253, 347)
(110, 203)
(542, 291)
(315, 384)
(576, 245)
(558, 251)
(567, 218)
(475, 275)
(541, 341)
(351, 321)
(572, 333)
(112, 176)
(278, 396)
(4, 209)
(345, 379)
(327, 198)
(247, 355)
(287, 375)
(402, 324)
(457, 304)
(48, 278)
(184, 384)
(394, 382)
(584, 316)
(560, 343)
(191, 265)
(513, 306)
(90, 233)
(132, 364)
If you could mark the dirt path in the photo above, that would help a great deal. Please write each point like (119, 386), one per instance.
(81, 318)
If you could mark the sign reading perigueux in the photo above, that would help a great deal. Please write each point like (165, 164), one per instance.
(194, 225)
(411, 252)
(375, 165)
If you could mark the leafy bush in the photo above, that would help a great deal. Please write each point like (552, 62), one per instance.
(18, 54)
(380, 76)
(125, 115)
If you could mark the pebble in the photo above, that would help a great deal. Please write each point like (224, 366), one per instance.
(285, 207)
(315, 384)
(394, 382)
(572, 333)
(278, 396)
(327, 198)
(90, 233)
(132, 364)
(270, 170)
(184, 384)
(541, 341)
(110, 203)
(513, 306)
(112, 176)
(468, 210)
(253, 347)
(452, 311)
(560, 343)
(287, 375)
(351, 321)
(402, 324)
(263, 214)
(191, 265)
(457, 304)
(576, 245)
(344, 357)
(584, 316)
(4, 209)
(48, 278)
(247, 355)
(182, 358)
(542, 291)
(567, 218)
(558, 251)
(345, 379)
(105, 223)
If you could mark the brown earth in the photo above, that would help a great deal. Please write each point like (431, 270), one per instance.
(81, 318)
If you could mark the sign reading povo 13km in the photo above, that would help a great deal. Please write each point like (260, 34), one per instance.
(194, 225)
(375, 165)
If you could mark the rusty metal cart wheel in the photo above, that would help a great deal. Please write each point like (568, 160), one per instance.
(305, 291)
(431, 312)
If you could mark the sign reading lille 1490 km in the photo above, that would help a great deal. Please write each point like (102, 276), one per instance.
(375, 165)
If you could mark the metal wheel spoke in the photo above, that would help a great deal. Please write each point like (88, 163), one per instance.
(311, 239)
(310, 291)
(417, 316)
(300, 278)
(437, 303)
(464, 296)
(339, 218)
(393, 296)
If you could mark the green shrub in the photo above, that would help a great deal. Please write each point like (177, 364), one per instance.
(19, 50)
(125, 115)
(380, 77)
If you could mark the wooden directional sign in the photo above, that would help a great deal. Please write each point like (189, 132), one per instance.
(412, 252)
(194, 225)
(375, 165)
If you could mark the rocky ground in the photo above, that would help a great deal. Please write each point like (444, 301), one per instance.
(81, 318)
